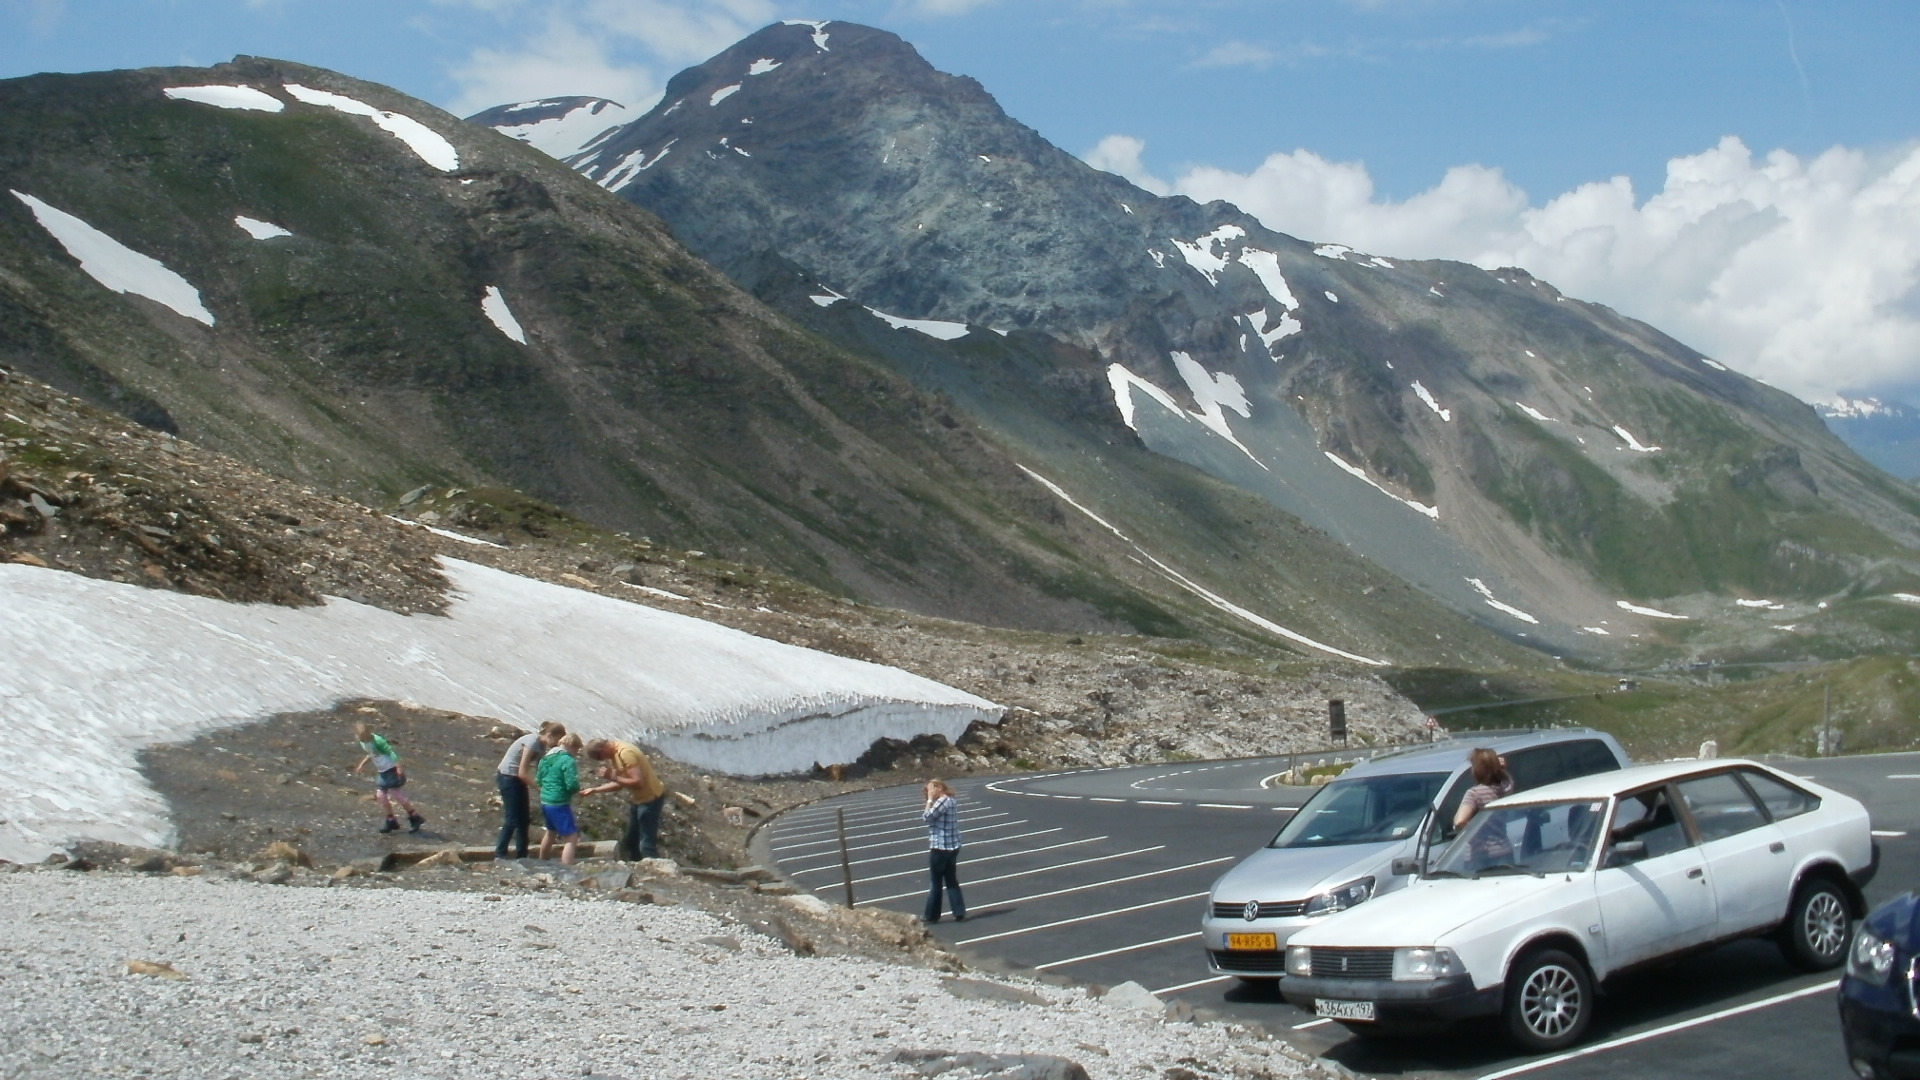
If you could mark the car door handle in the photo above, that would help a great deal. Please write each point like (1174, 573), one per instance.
(1776, 847)
(1696, 872)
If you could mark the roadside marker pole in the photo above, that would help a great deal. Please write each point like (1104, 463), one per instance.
(846, 861)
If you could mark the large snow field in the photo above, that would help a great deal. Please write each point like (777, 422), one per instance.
(97, 670)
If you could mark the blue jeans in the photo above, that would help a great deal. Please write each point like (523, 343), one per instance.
(515, 814)
(943, 869)
(642, 840)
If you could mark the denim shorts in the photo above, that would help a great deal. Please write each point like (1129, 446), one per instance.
(391, 779)
(559, 819)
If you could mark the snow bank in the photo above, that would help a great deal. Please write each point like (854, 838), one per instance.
(227, 97)
(259, 230)
(429, 145)
(97, 670)
(117, 266)
(495, 307)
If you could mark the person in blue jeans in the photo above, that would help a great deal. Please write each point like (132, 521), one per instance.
(515, 776)
(942, 816)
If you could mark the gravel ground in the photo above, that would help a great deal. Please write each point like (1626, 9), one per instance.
(277, 981)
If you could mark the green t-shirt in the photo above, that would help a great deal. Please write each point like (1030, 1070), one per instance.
(559, 777)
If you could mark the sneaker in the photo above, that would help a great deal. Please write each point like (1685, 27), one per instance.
(959, 918)
(390, 826)
(414, 821)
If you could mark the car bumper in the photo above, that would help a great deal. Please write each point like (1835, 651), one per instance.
(1887, 1043)
(1400, 1004)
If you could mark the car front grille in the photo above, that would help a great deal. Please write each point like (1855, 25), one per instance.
(1264, 963)
(1269, 909)
(1353, 963)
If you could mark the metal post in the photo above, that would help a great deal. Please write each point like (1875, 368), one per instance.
(1826, 720)
(846, 861)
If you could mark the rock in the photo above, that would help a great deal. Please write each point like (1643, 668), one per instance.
(735, 815)
(155, 968)
(186, 871)
(974, 1066)
(345, 872)
(440, 858)
(1131, 995)
(277, 874)
(807, 903)
(759, 873)
(617, 878)
(283, 852)
(28, 559)
(658, 867)
(796, 941)
(1178, 1012)
(985, 990)
(724, 941)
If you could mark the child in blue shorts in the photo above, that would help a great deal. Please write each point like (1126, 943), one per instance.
(559, 779)
(390, 788)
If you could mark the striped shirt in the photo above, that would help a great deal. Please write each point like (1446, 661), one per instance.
(943, 824)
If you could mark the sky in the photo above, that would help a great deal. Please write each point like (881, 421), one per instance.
(1742, 174)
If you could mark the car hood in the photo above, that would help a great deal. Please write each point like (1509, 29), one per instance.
(1282, 874)
(1426, 912)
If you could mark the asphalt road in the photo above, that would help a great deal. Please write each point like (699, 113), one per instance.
(1101, 875)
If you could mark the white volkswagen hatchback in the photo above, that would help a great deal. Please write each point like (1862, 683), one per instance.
(1546, 894)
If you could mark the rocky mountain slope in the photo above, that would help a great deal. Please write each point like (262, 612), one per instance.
(1886, 433)
(350, 289)
(1542, 464)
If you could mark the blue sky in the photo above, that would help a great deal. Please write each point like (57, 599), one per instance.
(1744, 174)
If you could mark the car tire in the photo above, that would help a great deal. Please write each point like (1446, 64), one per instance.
(1549, 1001)
(1814, 937)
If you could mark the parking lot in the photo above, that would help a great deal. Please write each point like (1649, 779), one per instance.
(1101, 875)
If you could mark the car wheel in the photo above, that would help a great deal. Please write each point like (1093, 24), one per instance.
(1815, 935)
(1549, 1000)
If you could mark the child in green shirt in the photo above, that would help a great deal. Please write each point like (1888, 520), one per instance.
(390, 786)
(559, 779)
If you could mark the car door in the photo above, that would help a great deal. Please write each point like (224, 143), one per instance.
(1658, 900)
(1747, 856)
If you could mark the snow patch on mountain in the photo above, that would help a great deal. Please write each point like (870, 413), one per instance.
(227, 97)
(933, 328)
(1432, 512)
(1535, 413)
(116, 266)
(819, 30)
(1215, 393)
(1634, 444)
(497, 312)
(1487, 595)
(1651, 612)
(427, 144)
(762, 66)
(723, 94)
(1198, 590)
(572, 131)
(259, 230)
(99, 670)
(1427, 396)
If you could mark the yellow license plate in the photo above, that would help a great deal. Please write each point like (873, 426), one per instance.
(1255, 942)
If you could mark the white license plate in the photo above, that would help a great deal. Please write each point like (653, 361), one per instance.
(1342, 1010)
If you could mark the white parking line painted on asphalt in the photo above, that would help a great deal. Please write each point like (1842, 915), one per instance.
(919, 846)
(920, 836)
(1191, 985)
(1225, 805)
(1898, 776)
(1311, 1024)
(918, 827)
(1104, 884)
(1116, 952)
(1028, 873)
(1627, 1040)
(1156, 802)
(1081, 918)
(1103, 798)
(921, 869)
(1890, 833)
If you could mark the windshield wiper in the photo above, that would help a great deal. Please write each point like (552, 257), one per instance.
(1443, 873)
(1507, 868)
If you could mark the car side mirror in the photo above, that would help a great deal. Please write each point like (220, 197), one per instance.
(1627, 850)
(1408, 866)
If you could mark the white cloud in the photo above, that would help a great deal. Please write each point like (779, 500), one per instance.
(619, 49)
(1237, 54)
(1802, 272)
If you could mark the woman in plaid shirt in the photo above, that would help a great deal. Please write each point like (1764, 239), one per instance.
(942, 816)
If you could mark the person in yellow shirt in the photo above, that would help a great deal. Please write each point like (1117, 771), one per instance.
(624, 766)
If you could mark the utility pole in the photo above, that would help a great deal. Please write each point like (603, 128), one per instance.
(1826, 720)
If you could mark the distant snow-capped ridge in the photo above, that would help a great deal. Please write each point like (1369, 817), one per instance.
(1846, 408)
(560, 127)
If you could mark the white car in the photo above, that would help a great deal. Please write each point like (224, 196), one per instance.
(1546, 894)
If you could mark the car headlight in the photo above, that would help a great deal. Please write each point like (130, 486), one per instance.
(1299, 960)
(1871, 958)
(1425, 963)
(1339, 899)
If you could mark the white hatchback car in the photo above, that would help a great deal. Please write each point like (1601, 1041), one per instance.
(1545, 894)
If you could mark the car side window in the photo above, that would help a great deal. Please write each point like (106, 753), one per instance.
(1781, 800)
(1721, 806)
(1649, 817)
(1450, 805)
(1584, 757)
(1534, 766)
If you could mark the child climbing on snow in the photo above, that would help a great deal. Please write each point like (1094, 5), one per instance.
(559, 778)
(390, 784)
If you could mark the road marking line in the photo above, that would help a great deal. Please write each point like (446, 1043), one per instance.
(1628, 1040)
(1311, 1024)
(835, 865)
(1104, 884)
(1157, 802)
(878, 832)
(1081, 918)
(1191, 985)
(1103, 798)
(918, 836)
(919, 870)
(1890, 833)
(1898, 776)
(1028, 873)
(1116, 952)
(1225, 805)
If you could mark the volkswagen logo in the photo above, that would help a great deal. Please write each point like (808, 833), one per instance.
(1251, 911)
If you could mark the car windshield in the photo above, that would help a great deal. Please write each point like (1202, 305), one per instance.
(1533, 838)
(1362, 810)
